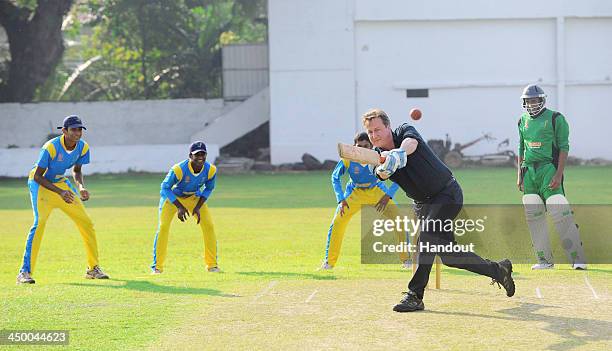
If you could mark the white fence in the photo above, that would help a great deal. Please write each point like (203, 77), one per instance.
(107, 159)
(141, 136)
(111, 123)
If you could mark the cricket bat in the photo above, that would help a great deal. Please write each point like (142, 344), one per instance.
(360, 154)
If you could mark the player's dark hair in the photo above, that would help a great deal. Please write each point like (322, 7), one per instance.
(361, 136)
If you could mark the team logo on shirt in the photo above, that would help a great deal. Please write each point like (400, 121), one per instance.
(187, 179)
(60, 158)
(356, 170)
(534, 144)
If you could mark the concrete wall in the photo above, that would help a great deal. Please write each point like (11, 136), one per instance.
(111, 123)
(107, 159)
(148, 136)
(330, 61)
(251, 113)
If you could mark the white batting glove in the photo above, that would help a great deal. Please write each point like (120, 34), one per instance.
(394, 160)
(383, 170)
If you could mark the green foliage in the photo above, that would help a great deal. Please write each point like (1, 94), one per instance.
(29, 4)
(155, 49)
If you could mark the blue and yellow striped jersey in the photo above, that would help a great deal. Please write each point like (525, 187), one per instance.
(57, 159)
(182, 181)
(361, 176)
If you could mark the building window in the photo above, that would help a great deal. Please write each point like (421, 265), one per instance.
(417, 93)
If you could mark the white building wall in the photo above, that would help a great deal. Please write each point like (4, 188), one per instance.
(474, 56)
(312, 87)
(474, 85)
(111, 123)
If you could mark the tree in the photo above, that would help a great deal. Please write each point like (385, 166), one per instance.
(162, 49)
(36, 45)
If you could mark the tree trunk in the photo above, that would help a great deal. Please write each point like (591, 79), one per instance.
(36, 46)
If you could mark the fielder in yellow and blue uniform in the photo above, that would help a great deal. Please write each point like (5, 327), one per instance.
(363, 188)
(50, 189)
(188, 185)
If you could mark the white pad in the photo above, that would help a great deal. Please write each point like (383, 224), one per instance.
(561, 213)
(535, 213)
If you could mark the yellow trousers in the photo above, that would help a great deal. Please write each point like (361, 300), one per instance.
(337, 228)
(167, 212)
(44, 201)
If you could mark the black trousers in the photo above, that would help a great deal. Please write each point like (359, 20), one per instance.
(444, 206)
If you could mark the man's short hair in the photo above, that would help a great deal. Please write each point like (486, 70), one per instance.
(376, 113)
(360, 137)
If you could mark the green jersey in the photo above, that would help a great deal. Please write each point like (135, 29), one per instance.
(538, 137)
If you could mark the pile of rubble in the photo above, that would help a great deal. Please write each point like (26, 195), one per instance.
(575, 161)
(226, 164)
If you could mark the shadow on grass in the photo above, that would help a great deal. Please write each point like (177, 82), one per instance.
(575, 332)
(146, 286)
(322, 276)
(463, 272)
(599, 270)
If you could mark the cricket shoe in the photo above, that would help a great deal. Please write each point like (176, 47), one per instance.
(409, 303)
(407, 264)
(505, 277)
(95, 273)
(214, 269)
(542, 265)
(25, 278)
(579, 266)
(155, 271)
(325, 267)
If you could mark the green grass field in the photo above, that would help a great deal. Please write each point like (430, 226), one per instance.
(272, 230)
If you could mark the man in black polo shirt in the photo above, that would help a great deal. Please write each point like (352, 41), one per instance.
(437, 196)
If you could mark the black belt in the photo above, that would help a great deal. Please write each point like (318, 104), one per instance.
(449, 183)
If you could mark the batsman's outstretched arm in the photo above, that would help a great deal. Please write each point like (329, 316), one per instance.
(409, 145)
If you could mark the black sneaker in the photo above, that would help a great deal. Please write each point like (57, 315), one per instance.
(505, 279)
(409, 303)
